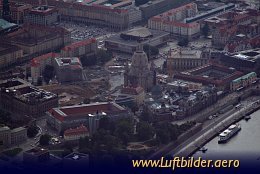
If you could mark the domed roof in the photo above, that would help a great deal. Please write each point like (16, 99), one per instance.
(139, 62)
(140, 59)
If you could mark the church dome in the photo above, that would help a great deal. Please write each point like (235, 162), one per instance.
(139, 62)
(140, 59)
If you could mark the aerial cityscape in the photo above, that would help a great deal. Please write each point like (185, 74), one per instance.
(90, 82)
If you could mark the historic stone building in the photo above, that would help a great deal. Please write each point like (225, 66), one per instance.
(140, 74)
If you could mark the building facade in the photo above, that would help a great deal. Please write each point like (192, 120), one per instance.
(36, 40)
(115, 19)
(140, 74)
(86, 48)
(22, 99)
(9, 54)
(39, 63)
(17, 11)
(76, 134)
(88, 115)
(173, 21)
(68, 69)
(12, 137)
(243, 82)
(185, 59)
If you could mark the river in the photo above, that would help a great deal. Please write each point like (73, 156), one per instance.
(244, 146)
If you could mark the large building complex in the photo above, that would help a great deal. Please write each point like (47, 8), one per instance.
(128, 41)
(184, 20)
(85, 48)
(88, 115)
(35, 40)
(173, 21)
(184, 59)
(156, 7)
(115, 19)
(68, 69)
(246, 60)
(42, 15)
(22, 99)
(211, 74)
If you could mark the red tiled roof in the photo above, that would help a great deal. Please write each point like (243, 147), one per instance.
(70, 111)
(36, 61)
(77, 131)
(79, 44)
(217, 82)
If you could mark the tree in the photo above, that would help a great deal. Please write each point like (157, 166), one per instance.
(32, 131)
(48, 73)
(106, 124)
(183, 42)
(39, 81)
(144, 131)
(45, 139)
(124, 130)
(205, 30)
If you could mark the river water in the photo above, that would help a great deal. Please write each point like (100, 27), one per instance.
(244, 146)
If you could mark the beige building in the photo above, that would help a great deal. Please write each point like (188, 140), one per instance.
(38, 65)
(12, 137)
(173, 21)
(76, 133)
(84, 48)
(185, 59)
(9, 54)
(35, 40)
(115, 19)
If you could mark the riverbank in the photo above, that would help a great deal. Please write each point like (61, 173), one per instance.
(191, 148)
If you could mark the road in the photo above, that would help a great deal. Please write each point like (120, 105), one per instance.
(217, 123)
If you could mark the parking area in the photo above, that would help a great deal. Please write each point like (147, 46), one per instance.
(82, 31)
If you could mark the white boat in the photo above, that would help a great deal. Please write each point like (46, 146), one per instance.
(229, 133)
